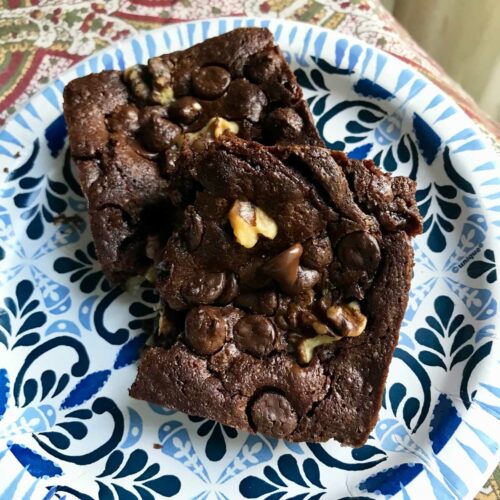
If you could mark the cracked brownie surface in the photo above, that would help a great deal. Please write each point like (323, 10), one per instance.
(125, 129)
(284, 286)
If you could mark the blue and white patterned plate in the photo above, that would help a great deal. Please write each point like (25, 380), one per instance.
(69, 342)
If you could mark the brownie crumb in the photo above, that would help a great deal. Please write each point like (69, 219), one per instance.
(62, 219)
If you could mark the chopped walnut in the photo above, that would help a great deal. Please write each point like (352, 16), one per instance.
(249, 221)
(164, 96)
(214, 128)
(150, 274)
(348, 319)
(135, 78)
(306, 346)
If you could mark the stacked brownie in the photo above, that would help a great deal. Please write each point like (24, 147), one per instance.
(126, 128)
(283, 268)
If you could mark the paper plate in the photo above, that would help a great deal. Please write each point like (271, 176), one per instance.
(69, 343)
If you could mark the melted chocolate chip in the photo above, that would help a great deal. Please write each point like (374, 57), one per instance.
(158, 133)
(255, 335)
(262, 67)
(274, 415)
(205, 288)
(264, 302)
(283, 124)
(306, 279)
(125, 119)
(205, 329)
(244, 100)
(185, 110)
(359, 250)
(193, 229)
(230, 290)
(210, 82)
(284, 267)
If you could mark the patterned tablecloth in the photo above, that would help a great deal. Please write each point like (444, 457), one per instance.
(39, 39)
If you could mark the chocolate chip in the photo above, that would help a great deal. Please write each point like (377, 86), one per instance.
(205, 329)
(193, 229)
(210, 82)
(185, 110)
(244, 100)
(306, 279)
(262, 67)
(284, 267)
(273, 414)
(230, 290)
(317, 253)
(125, 118)
(158, 133)
(283, 123)
(255, 335)
(359, 250)
(204, 288)
(264, 302)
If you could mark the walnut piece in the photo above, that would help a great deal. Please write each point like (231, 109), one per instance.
(135, 77)
(347, 319)
(249, 221)
(306, 346)
(214, 128)
(164, 96)
(150, 274)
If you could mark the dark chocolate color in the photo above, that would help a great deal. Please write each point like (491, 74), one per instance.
(333, 245)
(124, 129)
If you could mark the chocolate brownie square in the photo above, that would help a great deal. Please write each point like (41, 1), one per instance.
(125, 129)
(284, 287)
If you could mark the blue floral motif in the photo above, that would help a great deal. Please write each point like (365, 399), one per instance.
(84, 269)
(32, 420)
(485, 267)
(438, 219)
(77, 425)
(34, 463)
(48, 380)
(143, 479)
(390, 481)
(20, 319)
(65, 332)
(215, 447)
(39, 198)
(85, 389)
(306, 477)
(438, 352)
(256, 450)
(177, 444)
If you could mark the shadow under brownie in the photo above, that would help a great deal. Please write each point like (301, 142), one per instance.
(125, 130)
(284, 287)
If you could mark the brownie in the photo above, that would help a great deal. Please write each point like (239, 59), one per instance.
(125, 130)
(283, 286)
